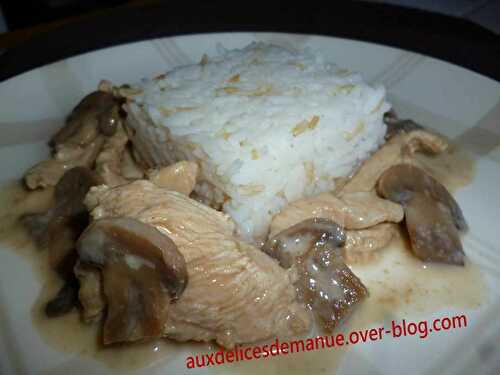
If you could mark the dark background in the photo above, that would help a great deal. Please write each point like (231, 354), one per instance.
(20, 14)
(63, 28)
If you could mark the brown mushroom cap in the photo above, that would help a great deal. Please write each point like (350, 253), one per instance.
(89, 107)
(400, 182)
(65, 299)
(433, 217)
(326, 285)
(142, 271)
(297, 240)
(71, 190)
(98, 111)
(36, 225)
(69, 216)
(396, 125)
(330, 288)
(109, 120)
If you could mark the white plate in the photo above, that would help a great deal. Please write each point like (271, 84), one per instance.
(459, 103)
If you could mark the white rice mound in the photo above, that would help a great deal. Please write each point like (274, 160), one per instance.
(266, 125)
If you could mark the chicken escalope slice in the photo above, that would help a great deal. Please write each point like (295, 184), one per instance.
(235, 293)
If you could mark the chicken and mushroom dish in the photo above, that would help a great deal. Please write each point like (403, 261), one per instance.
(153, 240)
(139, 250)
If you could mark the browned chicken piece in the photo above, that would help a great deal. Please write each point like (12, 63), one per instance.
(405, 140)
(180, 177)
(235, 293)
(351, 210)
(48, 172)
(79, 141)
(362, 245)
(109, 161)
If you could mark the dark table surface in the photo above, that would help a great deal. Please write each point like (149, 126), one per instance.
(451, 39)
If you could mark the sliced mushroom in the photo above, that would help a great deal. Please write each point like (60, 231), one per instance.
(65, 299)
(109, 120)
(62, 234)
(400, 182)
(71, 190)
(405, 139)
(296, 241)
(331, 289)
(69, 216)
(325, 284)
(395, 125)
(86, 112)
(58, 229)
(433, 217)
(68, 205)
(142, 273)
(36, 225)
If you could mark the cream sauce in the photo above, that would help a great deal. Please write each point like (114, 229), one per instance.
(84, 340)
(400, 286)
(77, 338)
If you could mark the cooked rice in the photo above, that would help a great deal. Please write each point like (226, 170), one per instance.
(266, 125)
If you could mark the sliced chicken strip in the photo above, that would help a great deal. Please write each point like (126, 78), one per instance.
(48, 172)
(108, 162)
(352, 211)
(362, 245)
(171, 212)
(236, 293)
(180, 177)
(397, 149)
